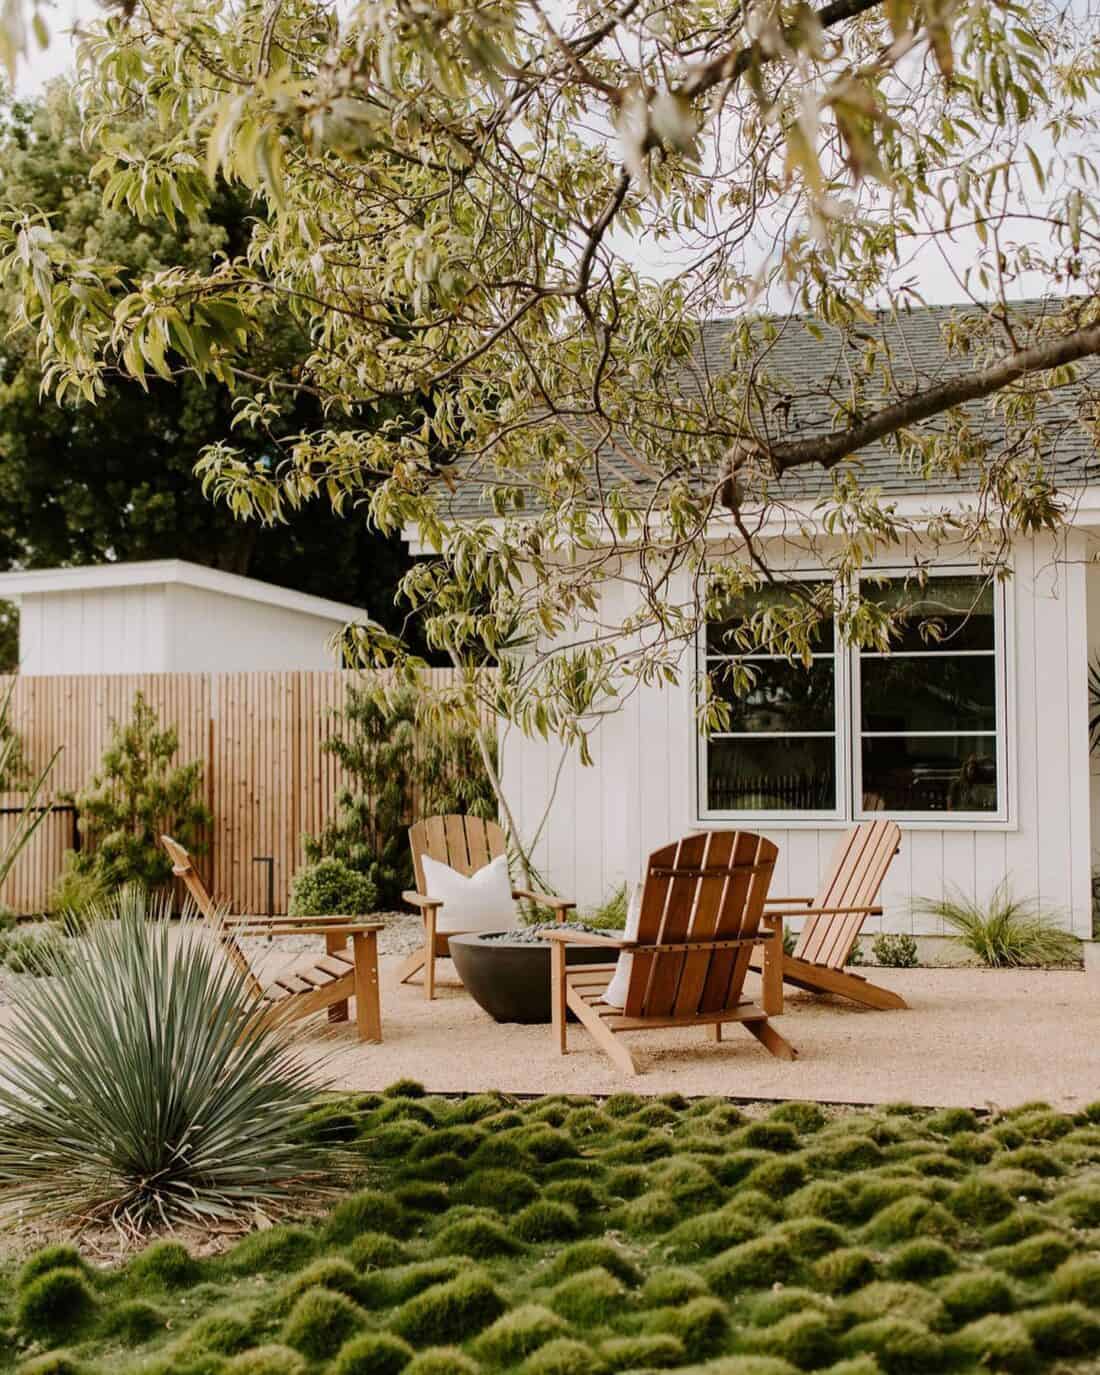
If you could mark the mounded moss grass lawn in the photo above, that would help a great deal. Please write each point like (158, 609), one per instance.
(574, 1237)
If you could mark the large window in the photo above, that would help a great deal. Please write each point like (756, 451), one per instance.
(911, 733)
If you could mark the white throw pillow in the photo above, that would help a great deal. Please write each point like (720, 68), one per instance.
(482, 902)
(615, 995)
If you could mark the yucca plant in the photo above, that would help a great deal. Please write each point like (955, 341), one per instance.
(137, 1087)
(1005, 932)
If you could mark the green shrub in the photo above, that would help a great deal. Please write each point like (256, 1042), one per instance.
(1063, 1329)
(899, 1346)
(894, 951)
(578, 1193)
(847, 1151)
(153, 1005)
(320, 1322)
(653, 1211)
(589, 1255)
(974, 1293)
(805, 1118)
(329, 1272)
(55, 1304)
(824, 1199)
(994, 1343)
(223, 1331)
(504, 1189)
(845, 1269)
(809, 1237)
(373, 1353)
(515, 1335)
(656, 1351)
(913, 1217)
(710, 1233)
(1037, 1159)
(1007, 932)
(672, 1285)
(423, 1196)
(972, 1147)
(701, 1326)
(133, 1321)
(54, 1363)
(279, 1249)
(753, 1265)
(375, 1251)
(441, 1360)
(980, 1201)
(546, 1221)
(167, 1264)
(773, 1305)
(899, 1300)
(1038, 1255)
(329, 887)
(1081, 1206)
(687, 1183)
(1018, 1226)
(41, 955)
(271, 1359)
(590, 1297)
(768, 1134)
(381, 1288)
(1078, 1278)
(777, 1178)
(562, 1356)
(922, 1259)
(367, 1211)
(60, 1256)
(449, 1312)
(479, 1237)
(952, 1121)
(805, 1339)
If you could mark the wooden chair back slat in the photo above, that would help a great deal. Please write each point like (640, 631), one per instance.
(184, 869)
(466, 843)
(860, 862)
(703, 887)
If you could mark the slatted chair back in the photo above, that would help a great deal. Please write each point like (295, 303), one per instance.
(860, 862)
(707, 887)
(183, 869)
(466, 843)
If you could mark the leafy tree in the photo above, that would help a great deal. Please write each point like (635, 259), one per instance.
(139, 794)
(400, 768)
(457, 207)
(82, 483)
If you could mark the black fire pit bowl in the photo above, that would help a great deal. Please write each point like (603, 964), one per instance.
(510, 979)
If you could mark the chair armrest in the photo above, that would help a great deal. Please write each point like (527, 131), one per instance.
(419, 900)
(780, 902)
(305, 927)
(544, 899)
(587, 938)
(838, 912)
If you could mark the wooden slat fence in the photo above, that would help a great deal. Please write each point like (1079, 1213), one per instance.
(259, 735)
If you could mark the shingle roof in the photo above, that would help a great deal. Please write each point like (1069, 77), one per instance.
(802, 365)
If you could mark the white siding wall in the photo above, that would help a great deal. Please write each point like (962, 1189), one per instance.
(209, 632)
(640, 792)
(103, 630)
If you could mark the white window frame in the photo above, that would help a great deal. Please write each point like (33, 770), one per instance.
(849, 806)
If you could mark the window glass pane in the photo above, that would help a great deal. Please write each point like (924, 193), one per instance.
(960, 607)
(787, 775)
(933, 692)
(721, 632)
(784, 697)
(934, 774)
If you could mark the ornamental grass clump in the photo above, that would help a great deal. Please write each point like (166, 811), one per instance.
(138, 1088)
(1006, 932)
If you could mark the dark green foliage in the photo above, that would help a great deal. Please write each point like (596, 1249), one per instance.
(1042, 1123)
(329, 887)
(167, 1264)
(913, 1217)
(628, 1181)
(271, 1359)
(55, 1304)
(547, 1144)
(1018, 1226)
(1038, 1255)
(824, 1199)
(753, 1265)
(503, 1189)
(423, 1196)
(449, 1312)
(446, 1168)
(546, 1221)
(995, 1343)
(133, 1321)
(515, 1335)
(61, 1256)
(54, 1363)
(777, 1178)
(807, 1340)
(405, 1088)
(689, 1184)
(974, 1293)
(460, 1140)
(578, 1193)
(563, 1356)
(1063, 1329)
(1082, 1206)
(320, 1322)
(375, 1251)
(329, 1272)
(845, 1151)
(899, 1346)
(845, 1269)
(182, 1360)
(623, 1104)
(803, 1117)
(481, 1237)
(441, 1360)
(922, 1259)
(673, 1285)
(656, 1351)
(1037, 1159)
(701, 1325)
(139, 794)
(655, 1115)
(1078, 1278)
(768, 1135)
(590, 1255)
(381, 1288)
(277, 1250)
(710, 1233)
(899, 1300)
(972, 1147)
(950, 1121)
(651, 1212)
(373, 1353)
(980, 1201)
(809, 1237)
(367, 1211)
(590, 1297)
(394, 1139)
(878, 1192)
(223, 1331)
(773, 1305)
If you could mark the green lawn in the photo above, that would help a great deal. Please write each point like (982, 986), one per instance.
(568, 1236)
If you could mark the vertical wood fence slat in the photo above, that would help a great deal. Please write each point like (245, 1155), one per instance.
(267, 778)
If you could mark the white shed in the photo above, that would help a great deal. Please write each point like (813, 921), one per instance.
(168, 616)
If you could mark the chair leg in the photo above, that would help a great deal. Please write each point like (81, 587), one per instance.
(557, 994)
(716, 1031)
(770, 1039)
(368, 1013)
(429, 953)
(607, 1041)
(413, 965)
(338, 1012)
(771, 998)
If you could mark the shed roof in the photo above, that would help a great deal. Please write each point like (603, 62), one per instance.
(155, 572)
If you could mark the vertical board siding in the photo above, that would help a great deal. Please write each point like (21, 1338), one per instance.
(267, 777)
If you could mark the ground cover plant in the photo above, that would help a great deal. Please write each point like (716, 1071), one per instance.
(570, 1235)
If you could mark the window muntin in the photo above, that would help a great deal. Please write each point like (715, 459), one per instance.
(778, 751)
(925, 721)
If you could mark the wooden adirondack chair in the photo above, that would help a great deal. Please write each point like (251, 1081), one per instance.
(466, 843)
(699, 923)
(328, 983)
(835, 916)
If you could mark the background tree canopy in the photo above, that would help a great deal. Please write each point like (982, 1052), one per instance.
(82, 483)
(501, 229)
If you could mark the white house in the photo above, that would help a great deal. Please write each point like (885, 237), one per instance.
(167, 616)
(978, 747)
